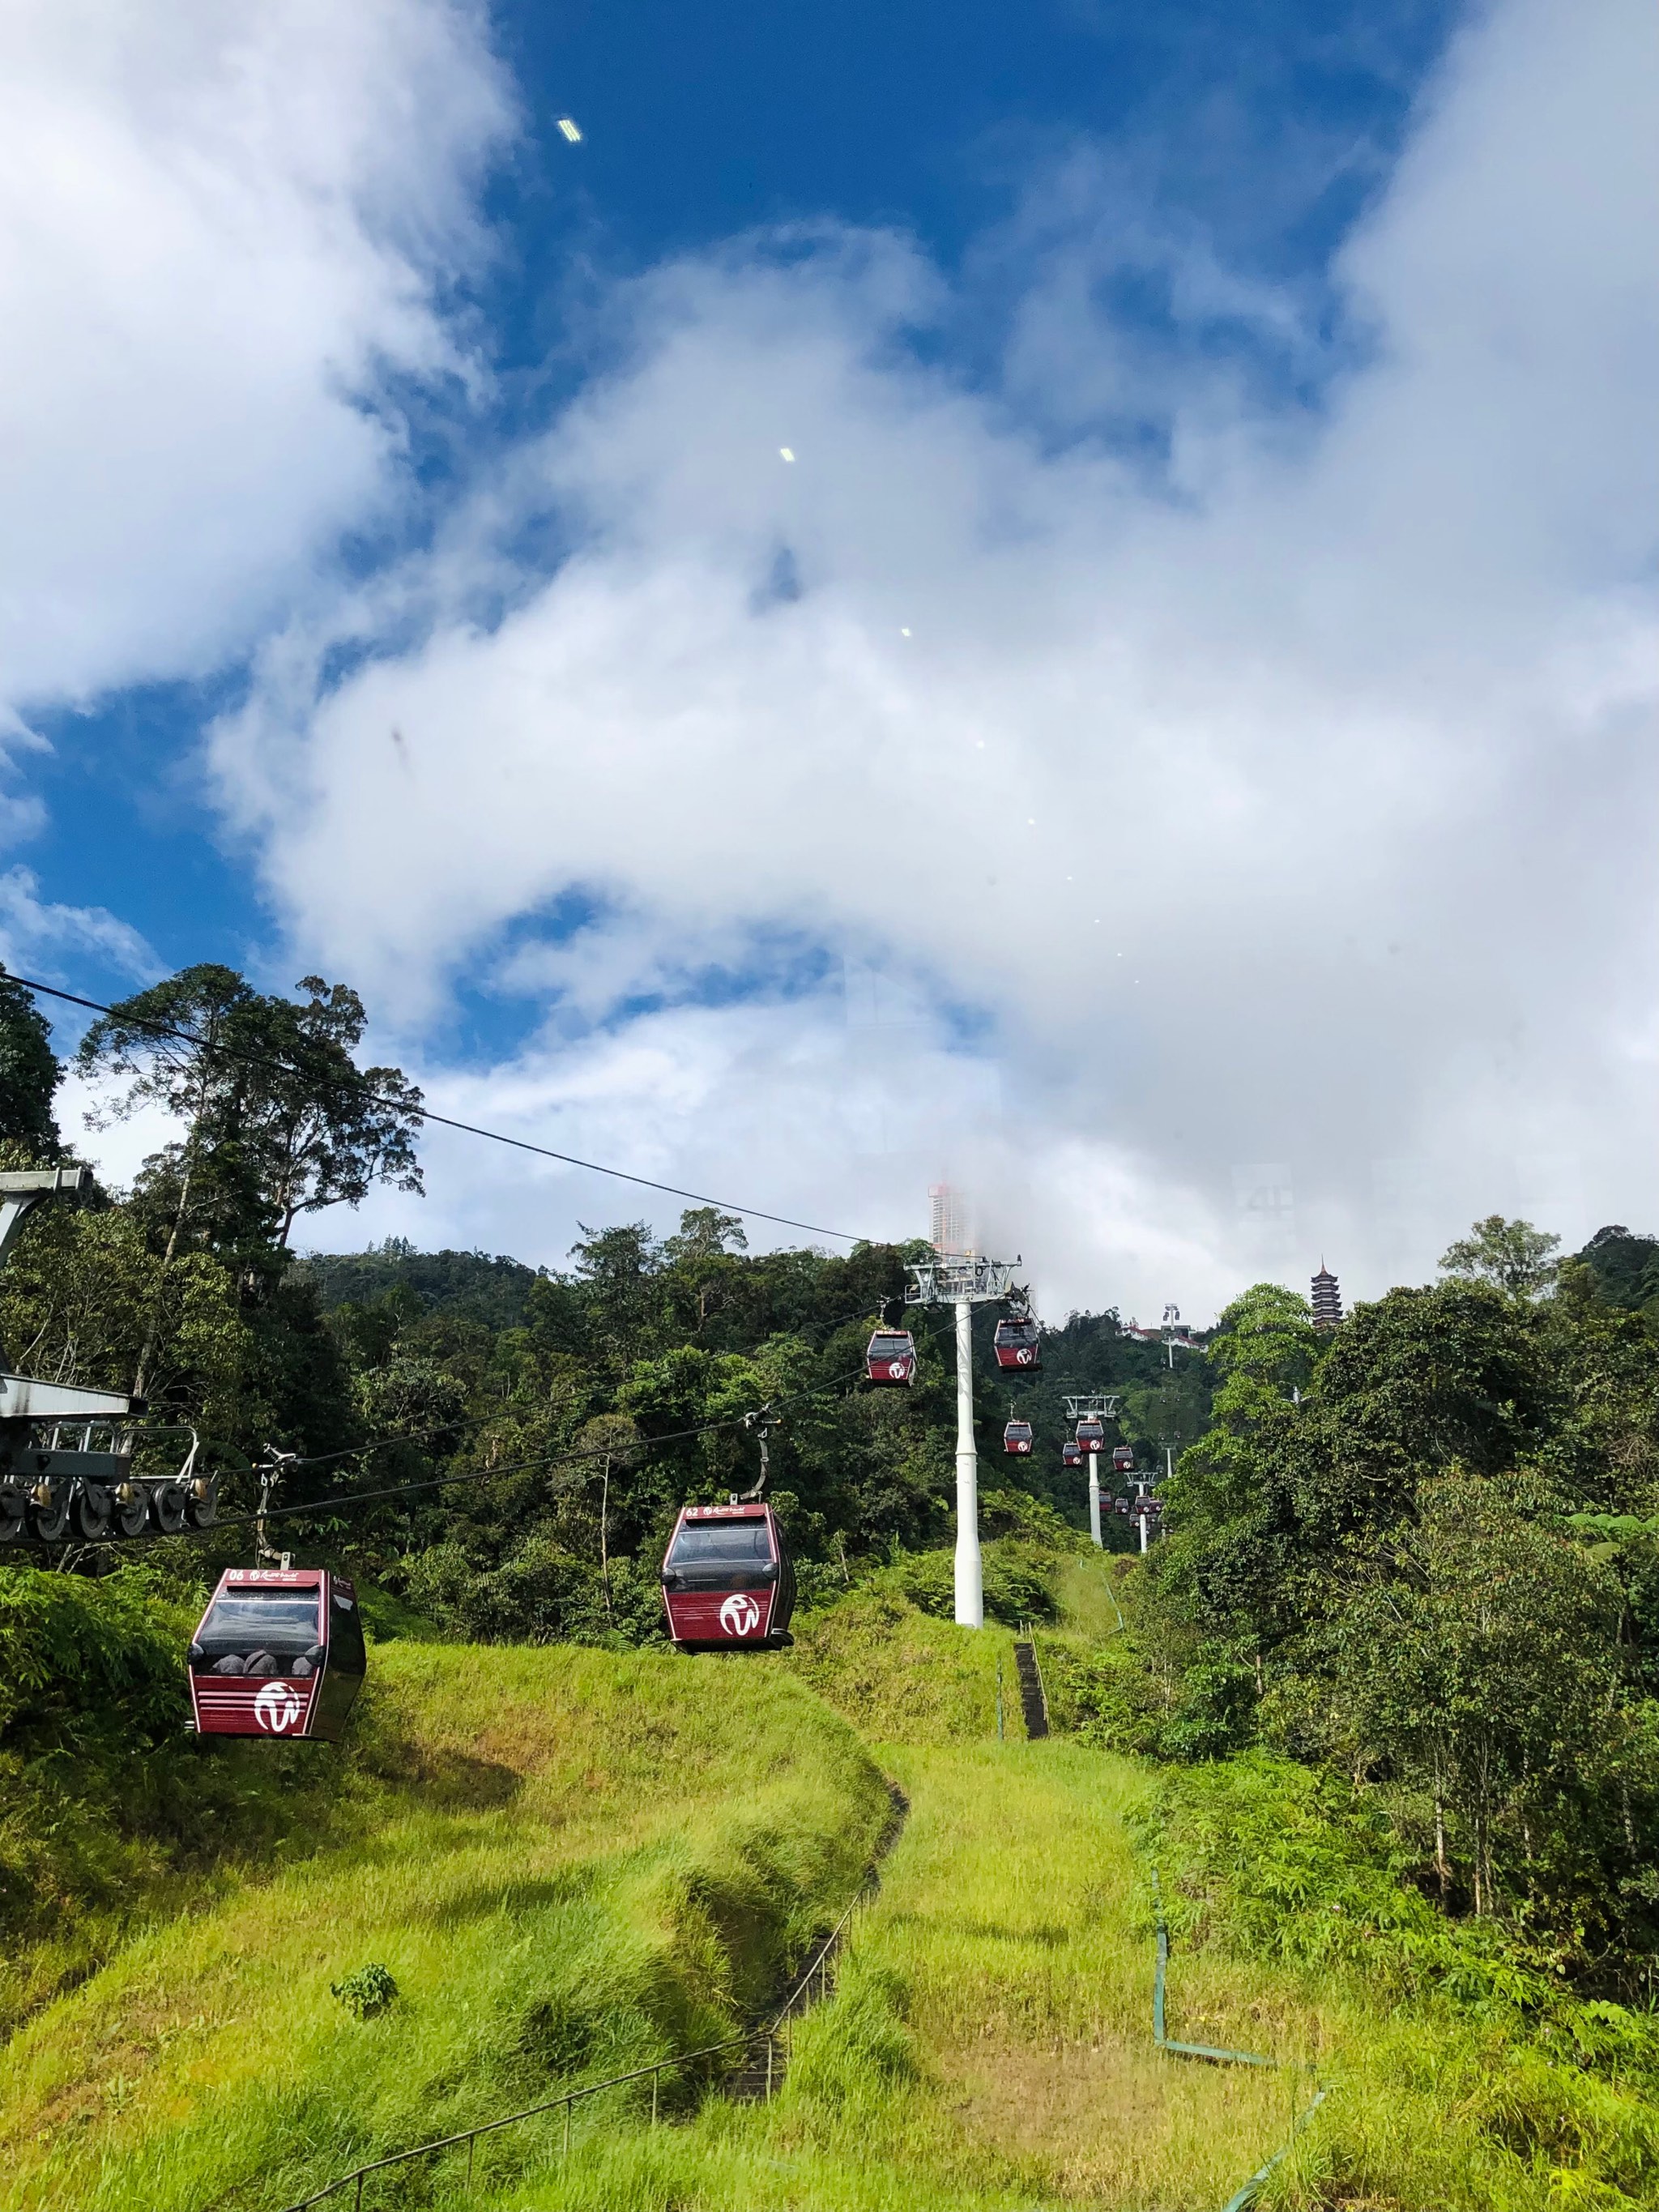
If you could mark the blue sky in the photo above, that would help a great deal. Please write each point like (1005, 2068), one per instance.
(704, 121)
(1199, 422)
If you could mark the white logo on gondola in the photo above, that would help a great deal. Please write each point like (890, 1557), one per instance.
(897, 1368)
(739, 1615)
(278, 1707)
(1023, 1355)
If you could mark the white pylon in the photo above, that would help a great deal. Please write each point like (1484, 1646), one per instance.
(1101, 1406)
(969, 1578)
(963, 1281)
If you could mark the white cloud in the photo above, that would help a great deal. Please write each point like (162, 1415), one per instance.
(784, 1105)
(223, 229)
(1297, 810)
(39, 934)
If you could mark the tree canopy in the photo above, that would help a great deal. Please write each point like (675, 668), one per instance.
(29, 1072)
(1513, 1255)
(1423, 1551)
(279, 1120)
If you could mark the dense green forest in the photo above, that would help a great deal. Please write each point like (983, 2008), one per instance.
(537, 1429)
(1420, 1554)
(1417, 1555)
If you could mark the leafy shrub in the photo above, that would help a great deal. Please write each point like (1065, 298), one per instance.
(79, 1658)
(541, 1593)
(367, 1992)
(1019, 1581)
(1125, 1696)
(1272, 1860)
(1009, 1512)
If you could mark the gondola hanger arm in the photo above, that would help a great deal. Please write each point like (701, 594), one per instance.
(761, 1423)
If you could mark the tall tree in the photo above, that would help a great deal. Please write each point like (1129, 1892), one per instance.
(620, 1271)
(703, 1267)
(278, 1119)
(706, 1233)
(29, 1072)
(1513, 1255)
(328, 1132)
(1478, 1653)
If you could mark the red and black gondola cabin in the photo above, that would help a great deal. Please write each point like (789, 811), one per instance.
(279, 1652)
(1123, 1459)
(1017, 1436)
(1017, 1345)
(1071, 1453)
(890, 1358)
(1091, 1436)
(728, 1583)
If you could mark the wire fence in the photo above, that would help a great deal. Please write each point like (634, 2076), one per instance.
(765, 2036)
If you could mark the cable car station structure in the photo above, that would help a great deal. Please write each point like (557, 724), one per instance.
(67, 1453)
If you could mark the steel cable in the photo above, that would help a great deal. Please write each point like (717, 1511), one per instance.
(348, 1498)
(441, 1121)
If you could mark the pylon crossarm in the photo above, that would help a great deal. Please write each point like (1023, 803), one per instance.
(953, 1280)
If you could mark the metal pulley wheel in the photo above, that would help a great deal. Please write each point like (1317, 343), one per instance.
(14, 1510)
(49, 1508)
(203, 1507)
(130, 1506)
(93, 1511)
(169, 1502)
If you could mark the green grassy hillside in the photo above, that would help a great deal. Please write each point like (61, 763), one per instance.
(988, 2048)
(902, 1676)
(570, 1861)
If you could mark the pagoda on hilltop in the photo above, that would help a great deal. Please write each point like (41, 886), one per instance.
(1326, 1299)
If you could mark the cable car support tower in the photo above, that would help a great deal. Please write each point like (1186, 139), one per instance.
(965, 1281)
(1143, 1483)
(1100, 1407)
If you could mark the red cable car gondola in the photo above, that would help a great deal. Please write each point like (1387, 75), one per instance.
(1123, 1459)
(890, 1358)
(728, 1583)
(1017, 1345)
(279, 1651)
(1017, 1436)
(1071, 1453)
(1090, 1435)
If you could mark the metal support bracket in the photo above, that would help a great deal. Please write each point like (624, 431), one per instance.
(21, 1189)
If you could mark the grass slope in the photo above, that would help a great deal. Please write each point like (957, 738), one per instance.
(112, 1814)
(987, 2045)
(902, 1676)
(988, 2048)
(570, 1861)
(573, 1861)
